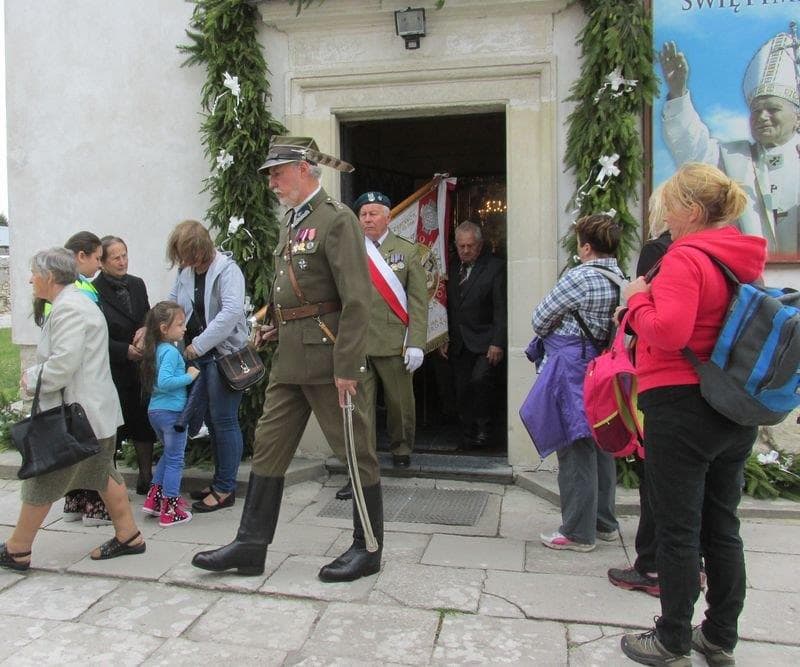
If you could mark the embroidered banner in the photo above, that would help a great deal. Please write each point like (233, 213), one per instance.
(424, 219)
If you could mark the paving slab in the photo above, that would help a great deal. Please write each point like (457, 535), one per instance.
(767, 572)
(525, 515)
(297, 577)
(572, 598)
(304, 660)
(212, 528)
(374, 632)
(58, 550)
(153, 609)
(255, 620)
(589, 564)
(52, 596)
(179, 652)
(69, 644)
(19, 632)
(186, 574)
(578, 633)
(483, 641)
(773, 537)
(302, 539)
(400, 547)
(9, 578)
(159, 558)
(771, 616)
(431, 587)
(491, 605)
(496, 553)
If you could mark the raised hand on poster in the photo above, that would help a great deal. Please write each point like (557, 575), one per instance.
(675, 69)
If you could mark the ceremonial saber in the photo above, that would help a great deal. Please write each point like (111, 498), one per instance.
(355, 478)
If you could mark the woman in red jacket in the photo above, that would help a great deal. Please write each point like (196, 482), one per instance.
(695, 456)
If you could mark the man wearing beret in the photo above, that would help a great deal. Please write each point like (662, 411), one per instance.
(398, 322)
(320, 304)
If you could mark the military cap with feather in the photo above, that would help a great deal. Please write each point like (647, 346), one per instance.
(283, 150)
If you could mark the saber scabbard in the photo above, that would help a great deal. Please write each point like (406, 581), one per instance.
(355, 478)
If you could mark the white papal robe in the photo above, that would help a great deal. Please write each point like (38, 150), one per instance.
(769, 176)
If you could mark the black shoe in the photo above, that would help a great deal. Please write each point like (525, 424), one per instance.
(401, 460)
(357, 562)
(248, 552)
(346, 492)
(201, 507)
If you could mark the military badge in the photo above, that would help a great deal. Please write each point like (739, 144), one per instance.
(302, 264)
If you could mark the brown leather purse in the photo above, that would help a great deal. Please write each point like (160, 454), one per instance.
(242, 369)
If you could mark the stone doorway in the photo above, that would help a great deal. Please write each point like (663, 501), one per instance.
(398, 155)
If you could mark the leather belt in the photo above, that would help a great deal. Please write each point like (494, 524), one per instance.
(311, 310)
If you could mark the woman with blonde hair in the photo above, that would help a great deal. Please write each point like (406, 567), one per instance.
(209, 288)
(695, 456)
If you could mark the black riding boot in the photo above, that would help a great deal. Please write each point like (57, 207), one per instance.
(248, 552)
(357, 562)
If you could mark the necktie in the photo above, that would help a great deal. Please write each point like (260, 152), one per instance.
(377, 244)
(463, 273)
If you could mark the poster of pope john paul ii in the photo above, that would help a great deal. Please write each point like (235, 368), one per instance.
(729, 97)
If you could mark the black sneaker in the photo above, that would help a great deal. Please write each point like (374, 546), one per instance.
(646, 649)
(632, 580)
(715, 655)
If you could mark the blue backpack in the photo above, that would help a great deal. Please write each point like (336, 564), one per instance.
(753, 375)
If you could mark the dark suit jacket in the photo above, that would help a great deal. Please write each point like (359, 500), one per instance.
(122, 325)
(476, 310)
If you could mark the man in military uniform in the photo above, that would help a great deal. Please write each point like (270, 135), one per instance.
(321, 297)
(398, 322)
(768, 169)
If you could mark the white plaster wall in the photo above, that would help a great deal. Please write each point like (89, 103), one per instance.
(102, 132)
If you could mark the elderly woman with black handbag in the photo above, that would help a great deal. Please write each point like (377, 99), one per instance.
(73, 366)
(210, 289)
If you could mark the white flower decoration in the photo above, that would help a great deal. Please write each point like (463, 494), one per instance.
(617, 83)
(234, 223)
(608, 168)
(770, 457)
(224, 160)
(232, 84)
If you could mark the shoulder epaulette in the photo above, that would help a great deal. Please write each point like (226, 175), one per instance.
(336, 204)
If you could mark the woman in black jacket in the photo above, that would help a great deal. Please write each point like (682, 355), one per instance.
(125, 304)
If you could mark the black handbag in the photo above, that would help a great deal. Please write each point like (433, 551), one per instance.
(53, 439)
(241, 369)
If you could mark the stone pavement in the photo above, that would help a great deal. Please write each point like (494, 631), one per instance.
(488, 593)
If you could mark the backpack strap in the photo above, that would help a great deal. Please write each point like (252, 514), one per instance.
(620, 282)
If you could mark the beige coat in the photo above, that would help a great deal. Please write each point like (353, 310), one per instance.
(73, 355)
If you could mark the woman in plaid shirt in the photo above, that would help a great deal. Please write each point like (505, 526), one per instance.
(586, 475)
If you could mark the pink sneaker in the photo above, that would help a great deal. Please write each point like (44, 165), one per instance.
(173, 511)
(152, 504)
(559, 541)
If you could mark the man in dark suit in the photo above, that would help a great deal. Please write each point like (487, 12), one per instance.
(476, 314)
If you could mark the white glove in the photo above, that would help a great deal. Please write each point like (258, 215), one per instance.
(413, 358)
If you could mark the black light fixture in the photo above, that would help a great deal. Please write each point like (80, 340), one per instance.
(410, 25)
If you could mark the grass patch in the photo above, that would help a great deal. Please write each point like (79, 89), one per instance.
(9, 366)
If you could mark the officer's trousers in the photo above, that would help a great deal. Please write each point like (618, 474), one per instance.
(287, 408)
(398, 394)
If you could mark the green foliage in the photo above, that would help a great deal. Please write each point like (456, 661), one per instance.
(8, 416)
(3, 220)
(9, 366)
(627, 476)
(617, 34)
(773, 480)
(223, 39)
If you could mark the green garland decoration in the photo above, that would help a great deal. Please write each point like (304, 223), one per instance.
(236, 133)
(617, 35)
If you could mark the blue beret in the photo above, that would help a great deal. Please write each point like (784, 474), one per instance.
(371, 198)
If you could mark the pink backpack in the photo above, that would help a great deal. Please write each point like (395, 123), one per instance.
(610, 399)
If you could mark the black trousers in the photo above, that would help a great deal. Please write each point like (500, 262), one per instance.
(475, 381)
(646, 544)
(695, 473)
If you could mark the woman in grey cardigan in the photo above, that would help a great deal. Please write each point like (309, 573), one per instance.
(72, 356)
(210, 289)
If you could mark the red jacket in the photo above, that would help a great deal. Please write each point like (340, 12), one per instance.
(688, 301)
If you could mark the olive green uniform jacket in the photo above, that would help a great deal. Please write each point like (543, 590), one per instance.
(387, 340)
(330, 265)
